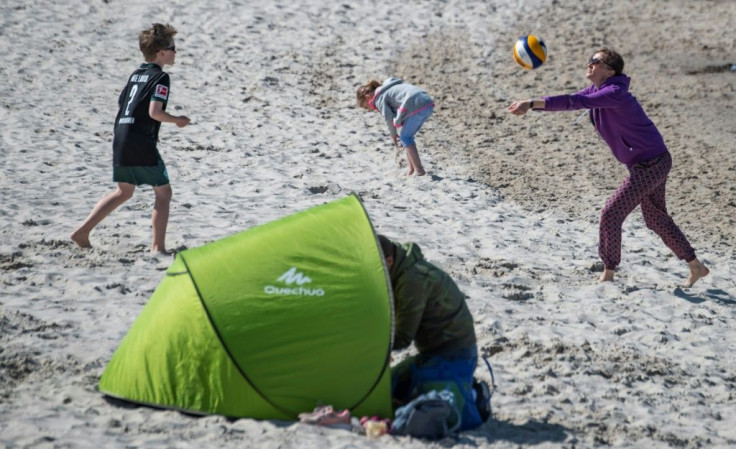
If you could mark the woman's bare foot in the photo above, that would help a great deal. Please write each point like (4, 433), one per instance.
(159, 249)
(81, 239)
(607, 276)
(421, 173)
(410, 171)
(697, 271)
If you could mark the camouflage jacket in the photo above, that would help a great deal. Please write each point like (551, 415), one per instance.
(429, 307)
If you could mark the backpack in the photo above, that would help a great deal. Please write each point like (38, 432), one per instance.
(471, 396)
(432, 415)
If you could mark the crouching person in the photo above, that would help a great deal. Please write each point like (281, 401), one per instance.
(430, 310)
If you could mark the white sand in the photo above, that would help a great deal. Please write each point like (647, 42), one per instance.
(509, 209)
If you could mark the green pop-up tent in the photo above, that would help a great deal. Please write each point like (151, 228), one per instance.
(267, 323)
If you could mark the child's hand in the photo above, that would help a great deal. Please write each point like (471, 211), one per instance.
(182, 121)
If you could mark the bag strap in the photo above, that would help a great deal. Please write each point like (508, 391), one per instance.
(490, 370)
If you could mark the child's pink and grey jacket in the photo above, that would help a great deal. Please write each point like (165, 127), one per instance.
(397, 101)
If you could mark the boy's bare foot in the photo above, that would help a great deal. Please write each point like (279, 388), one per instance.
(410, 172)
(421, 173)
(82, 240)
(607, 276)
(697, 271)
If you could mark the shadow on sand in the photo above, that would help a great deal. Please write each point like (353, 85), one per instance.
(529, 433)
(711, 294)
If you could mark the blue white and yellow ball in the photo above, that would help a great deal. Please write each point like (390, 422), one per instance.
(530, 52)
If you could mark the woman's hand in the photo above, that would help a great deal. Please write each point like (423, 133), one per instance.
(519, 107)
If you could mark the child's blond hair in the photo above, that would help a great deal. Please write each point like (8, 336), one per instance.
(155, 39)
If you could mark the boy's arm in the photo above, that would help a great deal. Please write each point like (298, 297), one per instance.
(156, 111)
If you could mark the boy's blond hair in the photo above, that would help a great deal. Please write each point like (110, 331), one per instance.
(155, 39)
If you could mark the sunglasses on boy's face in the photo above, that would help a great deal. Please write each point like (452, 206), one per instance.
(172, 48)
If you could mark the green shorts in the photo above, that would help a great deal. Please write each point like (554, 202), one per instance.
(155, 175)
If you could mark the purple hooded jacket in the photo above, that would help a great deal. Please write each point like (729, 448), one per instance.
(618, 118)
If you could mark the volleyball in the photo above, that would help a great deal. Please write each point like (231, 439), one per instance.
(530, 52)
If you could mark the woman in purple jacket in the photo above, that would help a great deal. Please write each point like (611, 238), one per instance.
(635, 141)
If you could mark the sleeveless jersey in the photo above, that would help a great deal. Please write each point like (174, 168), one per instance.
(136, 133)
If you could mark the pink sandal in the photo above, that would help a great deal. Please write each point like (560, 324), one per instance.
(325, 415)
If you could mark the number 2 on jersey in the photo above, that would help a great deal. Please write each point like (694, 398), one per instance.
(133, 91)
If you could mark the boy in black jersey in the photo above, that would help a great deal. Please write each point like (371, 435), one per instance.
(136, 160)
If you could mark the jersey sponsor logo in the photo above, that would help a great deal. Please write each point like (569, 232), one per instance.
(161, 91)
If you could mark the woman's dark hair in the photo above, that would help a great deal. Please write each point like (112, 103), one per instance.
(613, 60)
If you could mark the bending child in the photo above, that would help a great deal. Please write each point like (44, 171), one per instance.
(405, 108)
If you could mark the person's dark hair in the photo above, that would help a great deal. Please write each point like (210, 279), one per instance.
(155, 39)
(386, 246)
(365, 89)
(613, 60)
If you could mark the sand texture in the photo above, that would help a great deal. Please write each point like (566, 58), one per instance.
(509, 207)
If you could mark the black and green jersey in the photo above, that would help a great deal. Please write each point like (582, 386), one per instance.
(136, 133)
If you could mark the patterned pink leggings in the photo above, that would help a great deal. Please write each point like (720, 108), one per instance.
(644, 186)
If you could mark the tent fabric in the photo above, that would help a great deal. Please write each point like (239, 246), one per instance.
(267, 323)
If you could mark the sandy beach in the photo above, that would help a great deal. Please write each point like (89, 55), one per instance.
(509, 207)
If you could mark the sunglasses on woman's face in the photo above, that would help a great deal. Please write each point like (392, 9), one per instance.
(596, 61)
